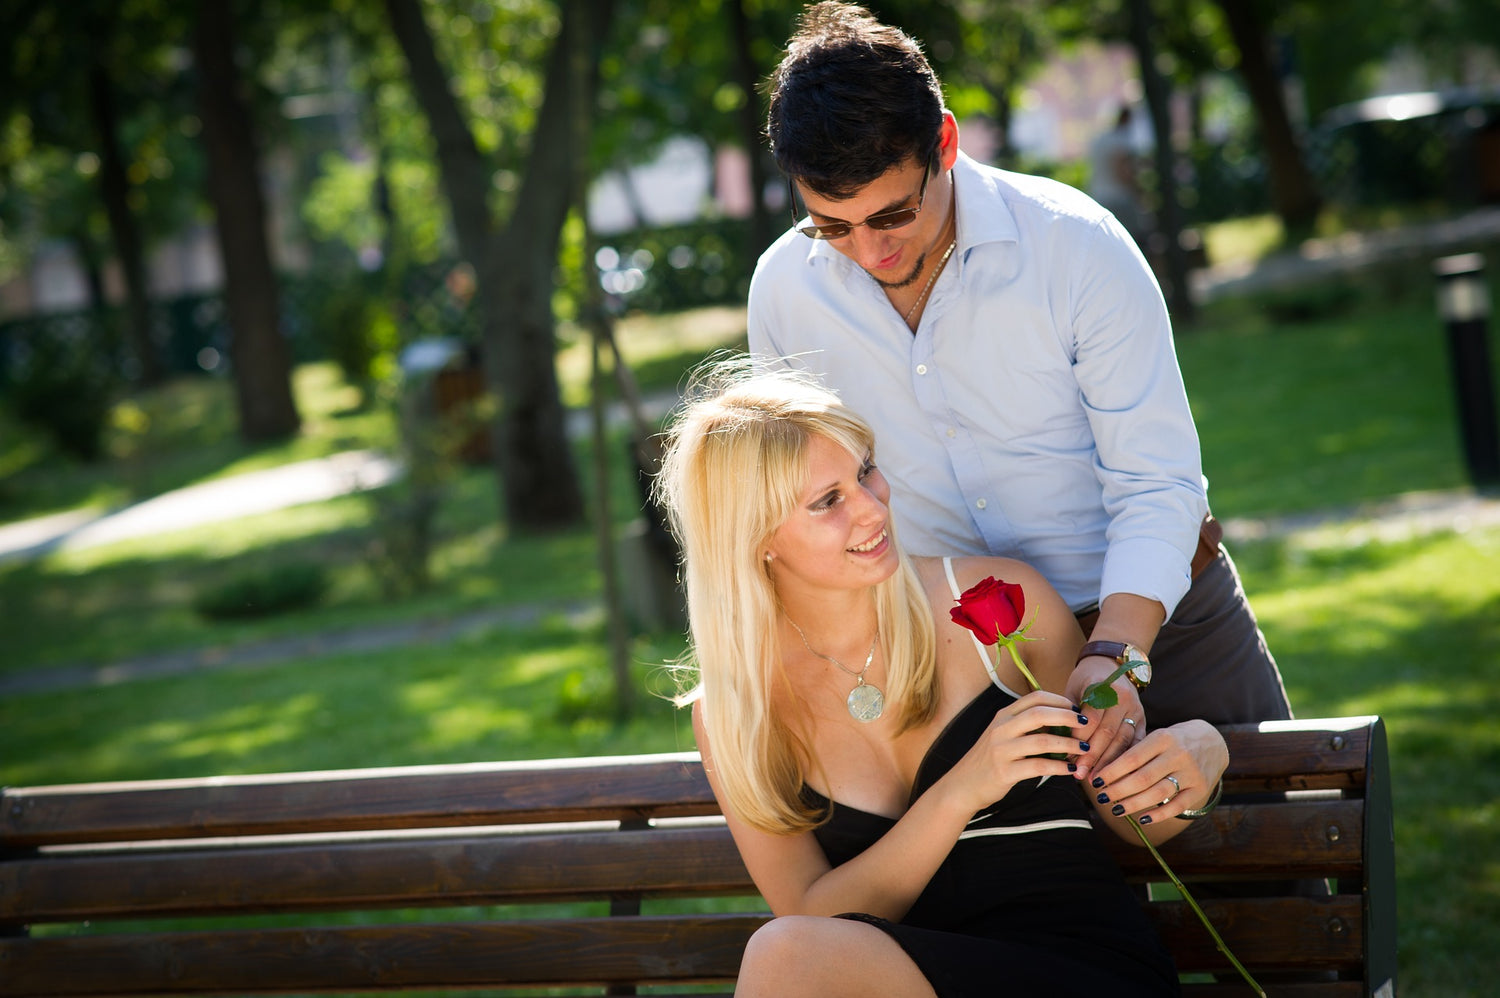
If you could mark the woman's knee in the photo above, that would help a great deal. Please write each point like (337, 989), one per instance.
(826, 957)
(783, 941)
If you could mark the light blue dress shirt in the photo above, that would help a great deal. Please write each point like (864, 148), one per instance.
(1038, 411)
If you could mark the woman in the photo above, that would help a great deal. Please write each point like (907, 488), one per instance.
(867, 764)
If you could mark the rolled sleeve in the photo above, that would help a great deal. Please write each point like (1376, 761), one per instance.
(1146, 446)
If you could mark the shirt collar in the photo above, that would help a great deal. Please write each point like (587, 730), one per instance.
(984, 214)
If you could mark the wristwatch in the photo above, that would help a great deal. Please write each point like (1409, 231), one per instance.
(1122, 653)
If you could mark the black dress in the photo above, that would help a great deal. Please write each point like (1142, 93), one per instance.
(1029, 902)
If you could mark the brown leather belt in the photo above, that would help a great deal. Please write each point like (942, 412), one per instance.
(1209, 536)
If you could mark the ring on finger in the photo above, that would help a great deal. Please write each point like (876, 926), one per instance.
(1131, 721)
(1176, 789)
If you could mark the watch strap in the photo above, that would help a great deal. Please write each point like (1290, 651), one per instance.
(1109, 649)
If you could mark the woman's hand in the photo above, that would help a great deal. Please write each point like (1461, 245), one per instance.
(1136, 787)
(1020, 744)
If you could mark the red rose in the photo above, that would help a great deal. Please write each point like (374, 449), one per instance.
(991, 609)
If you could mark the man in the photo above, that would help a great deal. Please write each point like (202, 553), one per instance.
(1112, 177)
(1009, 344)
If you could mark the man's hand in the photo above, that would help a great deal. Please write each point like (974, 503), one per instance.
(1112, 731)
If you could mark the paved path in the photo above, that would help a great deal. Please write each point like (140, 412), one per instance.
(196, 505)
(1318, 259)
(275, 651)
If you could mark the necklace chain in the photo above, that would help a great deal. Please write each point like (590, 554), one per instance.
(860, 675)
(920, 299)
(865, 702)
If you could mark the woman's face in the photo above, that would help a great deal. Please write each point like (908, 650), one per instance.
(839, 535)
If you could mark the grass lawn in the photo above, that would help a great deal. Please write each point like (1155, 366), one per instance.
(1410, 631)
(1325, 398)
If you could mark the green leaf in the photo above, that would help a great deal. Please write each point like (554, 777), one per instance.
(1101, 696)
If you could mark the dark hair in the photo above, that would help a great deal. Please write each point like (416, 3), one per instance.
(851, 99)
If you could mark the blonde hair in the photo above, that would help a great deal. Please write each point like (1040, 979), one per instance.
(733, 472)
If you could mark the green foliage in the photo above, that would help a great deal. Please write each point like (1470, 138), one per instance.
(685, 266)
(64, 385)
(355, 329)
(264, 592)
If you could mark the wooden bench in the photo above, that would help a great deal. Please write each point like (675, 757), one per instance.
(366, 880)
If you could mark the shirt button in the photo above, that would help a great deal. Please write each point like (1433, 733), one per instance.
(982, 503)
(921, 368)
(952, 432)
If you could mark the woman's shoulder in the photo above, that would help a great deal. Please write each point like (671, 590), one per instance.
(964, 571)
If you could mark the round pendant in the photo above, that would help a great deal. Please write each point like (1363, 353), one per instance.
(866, 703)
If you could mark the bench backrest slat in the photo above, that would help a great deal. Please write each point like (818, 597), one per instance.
(1281, 840)
(500, 793)
(452, 872)
(351, 800)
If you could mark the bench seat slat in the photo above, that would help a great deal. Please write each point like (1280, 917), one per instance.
(1275, 933)
(655, 949)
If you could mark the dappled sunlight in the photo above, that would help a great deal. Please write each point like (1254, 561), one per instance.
(1405, 704)
(244, 730)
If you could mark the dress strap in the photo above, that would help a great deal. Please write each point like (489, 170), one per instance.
(984, 654)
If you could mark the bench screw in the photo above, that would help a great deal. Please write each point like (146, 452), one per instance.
(1333, 833)
(1337, 743)
(1337, 927)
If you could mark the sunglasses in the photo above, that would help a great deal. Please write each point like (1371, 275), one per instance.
(880, 221)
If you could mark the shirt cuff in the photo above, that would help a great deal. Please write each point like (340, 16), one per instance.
(1146, 566)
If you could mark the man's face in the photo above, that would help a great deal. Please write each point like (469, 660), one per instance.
(893, 257)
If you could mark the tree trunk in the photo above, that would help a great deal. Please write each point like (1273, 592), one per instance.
(115, 192)
(515, 266)
(542, 490)
(1168, 213)
(1293, 193)
(260, 354)
(752, 122)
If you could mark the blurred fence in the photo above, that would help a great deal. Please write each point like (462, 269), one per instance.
(657, 270)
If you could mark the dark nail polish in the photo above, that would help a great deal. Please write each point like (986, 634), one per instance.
(1103, 798)
(1072, 767)
(1098, 782)
(1077, 709)
(1145, 819)
(1082, 719)
(1117, 810)
(1083, 746)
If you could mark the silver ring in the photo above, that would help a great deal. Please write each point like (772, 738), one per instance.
(1130, 721)
(1177, 788)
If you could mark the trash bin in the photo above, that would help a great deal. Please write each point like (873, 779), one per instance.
(448, 378)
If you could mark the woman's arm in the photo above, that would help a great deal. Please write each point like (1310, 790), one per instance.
(795, 877)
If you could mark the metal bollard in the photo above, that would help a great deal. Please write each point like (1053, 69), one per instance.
(1464, 304)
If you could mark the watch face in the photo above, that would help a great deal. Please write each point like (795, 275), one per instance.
(1142, 672)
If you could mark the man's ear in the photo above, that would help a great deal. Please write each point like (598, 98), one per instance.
(948, 142)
